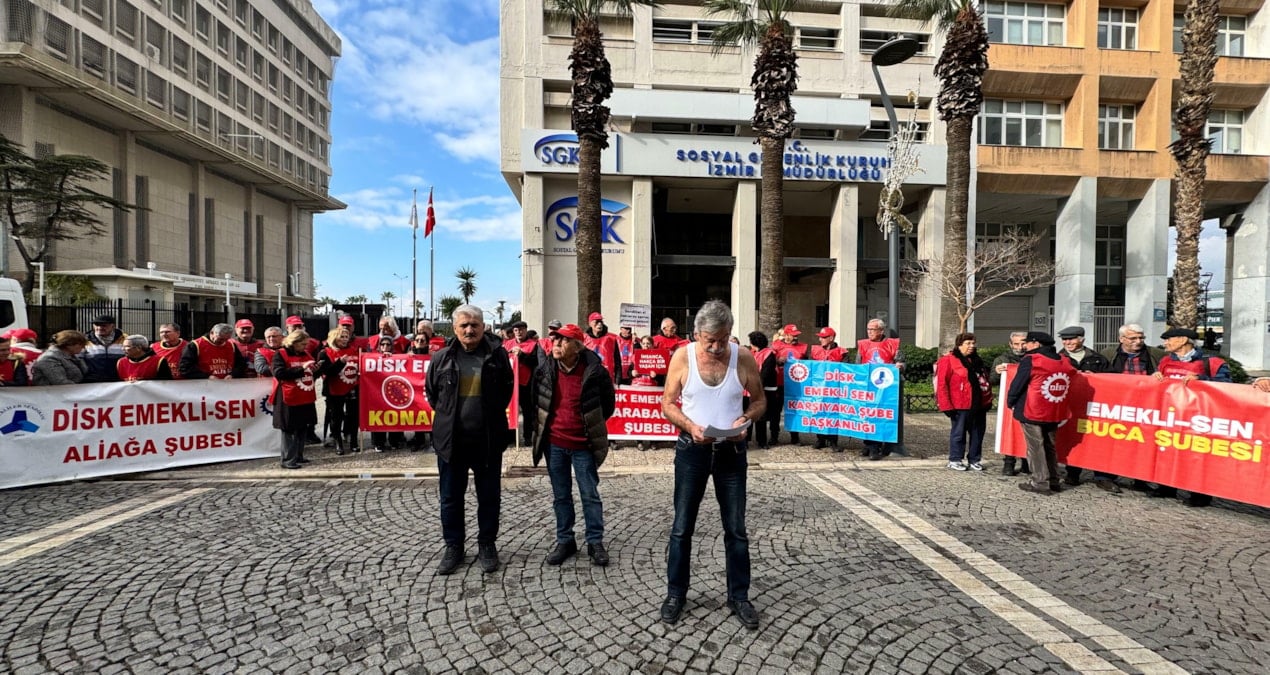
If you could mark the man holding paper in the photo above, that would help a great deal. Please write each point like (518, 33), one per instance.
(711, 375)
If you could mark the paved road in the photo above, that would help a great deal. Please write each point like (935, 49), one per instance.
(910, 570)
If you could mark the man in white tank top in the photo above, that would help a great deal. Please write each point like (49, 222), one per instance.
(711, 376)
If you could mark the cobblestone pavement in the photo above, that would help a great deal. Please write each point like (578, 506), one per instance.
(855, 570)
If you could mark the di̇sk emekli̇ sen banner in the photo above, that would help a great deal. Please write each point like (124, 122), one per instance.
(391, 392)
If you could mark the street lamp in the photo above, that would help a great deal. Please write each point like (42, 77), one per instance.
(892, 52)
(41, 266)
(279, 286)
(228, 276)
(401, 298)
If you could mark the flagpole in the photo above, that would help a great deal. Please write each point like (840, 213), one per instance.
(414, 248)
(432, 258)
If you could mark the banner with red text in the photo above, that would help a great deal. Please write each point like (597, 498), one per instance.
(638, 416)
(391, 393)
(59, 433)
(1206, 437)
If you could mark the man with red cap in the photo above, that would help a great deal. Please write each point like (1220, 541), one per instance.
(827, 350)
(295, 323)
(788, 347)
(23, 344)
(877, 347)
(528, 355)
(604, 344)
(245, 342)
(170, 346)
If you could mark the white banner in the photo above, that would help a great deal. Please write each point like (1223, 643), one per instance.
(52, 434)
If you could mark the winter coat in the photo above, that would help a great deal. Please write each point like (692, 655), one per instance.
(956, 387)
(598, 402)
(58, 367)
(442, 387)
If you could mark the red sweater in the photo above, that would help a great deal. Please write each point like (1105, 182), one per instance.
(567, 428)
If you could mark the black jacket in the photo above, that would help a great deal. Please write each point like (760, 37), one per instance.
(1092, 363)
(598, 402)
(1016, 398)
(442, 385)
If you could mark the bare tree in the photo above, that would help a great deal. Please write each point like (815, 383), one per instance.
(999, 267)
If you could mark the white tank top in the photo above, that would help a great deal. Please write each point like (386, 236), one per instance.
(719, 405)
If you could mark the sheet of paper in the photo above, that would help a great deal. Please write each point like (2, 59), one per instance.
(720, 434)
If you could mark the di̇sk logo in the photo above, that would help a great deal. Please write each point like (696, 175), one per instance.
(557, 149)
(882, 377)
(799, 372)
(1054, 388)
(562, 215)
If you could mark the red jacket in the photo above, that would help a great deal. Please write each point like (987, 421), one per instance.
(953, 388)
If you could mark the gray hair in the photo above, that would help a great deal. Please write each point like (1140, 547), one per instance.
(881, 324)
(1018, 334)
(467, 310)
(272, 329)
(424, 322)
(138, 341)
(221, 329)
(713, 317)
(1130, 328)
(672, 321)
(174, 326)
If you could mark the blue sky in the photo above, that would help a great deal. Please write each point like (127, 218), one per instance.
(415, 104)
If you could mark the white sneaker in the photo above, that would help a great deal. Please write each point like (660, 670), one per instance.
(957, 466)
(976, 467)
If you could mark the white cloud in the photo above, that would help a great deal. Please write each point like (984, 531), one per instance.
(480, 218)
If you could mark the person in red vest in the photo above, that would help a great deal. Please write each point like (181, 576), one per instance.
(295, 323)
(263, 363)
(1038, 397)
(337, 365)
(788, 347)
(528, 355)
(668, 339)
(827, 350)
(545, 343)
(23, 344)
(13, 372)
(140, 362)
(212, 357)
(626, 349)
(769, 374)
(245, 341)
(295, 396)
(170, 347)
(604, 344)
(1184, 361)
(877, 347)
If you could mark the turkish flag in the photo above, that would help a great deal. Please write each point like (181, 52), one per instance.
(432, 217)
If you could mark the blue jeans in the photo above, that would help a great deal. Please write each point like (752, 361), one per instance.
(967, 424)
(489, 493)
(694, 466)
(582, 462)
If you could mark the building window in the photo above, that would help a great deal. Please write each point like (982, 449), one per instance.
(222, 38)
(1117, 28)
(202, 23)
(257, 107)
(816, 39)
(257, 65)
(93, 57)
(202, 71)
(684, 31)
(156, 90)
(180, 10)
(94, 9)
(240, 11)
(1115, 127)
(988, 234)
(870, 40)
(273, 39)
(1109, 255)
(880, 130)
(274, 75)
(57, 37)
(1022, 123)
(203, 115)
(1026, 23)
(1231, 31)
(1226, 131)
(125, 74)
(242, 96)
(257, 24)
(223, 81)
(241, 53)
(180, 56)
(180, 104)
(126, 20)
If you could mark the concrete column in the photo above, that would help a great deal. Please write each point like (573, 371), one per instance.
(198, 175)
(1146, 261)
(1074, 233)
(930, 245)
(844, 248)
(126, 159)
(745, 250)
(1247, 333)
(534, 237)
(641, 248)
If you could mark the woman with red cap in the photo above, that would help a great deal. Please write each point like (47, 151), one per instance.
(295, 397)
(337, 365)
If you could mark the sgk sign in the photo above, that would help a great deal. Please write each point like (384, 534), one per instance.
(561, 219)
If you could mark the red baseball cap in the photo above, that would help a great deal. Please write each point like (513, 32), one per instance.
(346, 320)
(244, 323)
(295, 321)
(595, 316)
(570, 331)
(791, 329)
(826, 332)
(21, 335)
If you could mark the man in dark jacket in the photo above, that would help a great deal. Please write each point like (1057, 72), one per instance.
(105, 347)
(469, 385)
(1038, 396)
(1007, 358)
(573, 399)
(1086, 361)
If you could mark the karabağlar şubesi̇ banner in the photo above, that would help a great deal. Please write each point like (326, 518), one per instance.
(1206, 437)
(57, 433)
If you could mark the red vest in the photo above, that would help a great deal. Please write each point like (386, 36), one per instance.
(662, 342)
(1173, 367)
(604, 347)
(145, 369)
(215, 361)
(1046, 399)
(344, 381)
(9, 368)
(268, 354)
(172, 355)
(878, 351)
(834, 354)
(522, 365)
(301, 391)
(546, 345)
(248, 350)
(626, 347)
(761, 356)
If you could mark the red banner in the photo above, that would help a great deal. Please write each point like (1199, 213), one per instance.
(1206, 437)
(638, 416)
(652, 361)
(391, 393)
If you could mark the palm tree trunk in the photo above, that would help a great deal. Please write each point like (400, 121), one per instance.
(771, 296)
(957, 205)
(586, 229)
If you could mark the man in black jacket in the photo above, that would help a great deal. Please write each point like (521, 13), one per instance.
(1086, 361)
(573, 399)
(469, 385)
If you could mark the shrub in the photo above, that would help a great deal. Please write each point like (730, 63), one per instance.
(919, 363)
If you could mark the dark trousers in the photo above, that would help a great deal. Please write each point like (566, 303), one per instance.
(769, 426)
(384, 439)
(1042, 454)
(527, 408)
(562, 465)
(343, 413)
(1073, 474)
(967, 425)
(489, 494)
(694, 466)
(292, 447)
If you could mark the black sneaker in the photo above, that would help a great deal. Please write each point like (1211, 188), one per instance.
(671, 609)
(451, 557)
(562, 552)
(598, 555)
(745, 612)
(487, 555)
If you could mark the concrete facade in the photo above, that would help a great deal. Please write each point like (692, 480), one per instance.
(213, 116)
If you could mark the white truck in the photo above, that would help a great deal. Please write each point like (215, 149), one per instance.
(12, 306)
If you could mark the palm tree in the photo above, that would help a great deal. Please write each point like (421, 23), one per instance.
(592, 85)
(356, 300)
(1190, 151)
(467, 283)
(960, 71)
(387, 297)
(765, 23)
(449, 303)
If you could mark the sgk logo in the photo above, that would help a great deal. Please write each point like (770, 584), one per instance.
(562, 216)
(557, 149)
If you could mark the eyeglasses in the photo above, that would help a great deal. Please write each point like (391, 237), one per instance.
(1133, 338)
